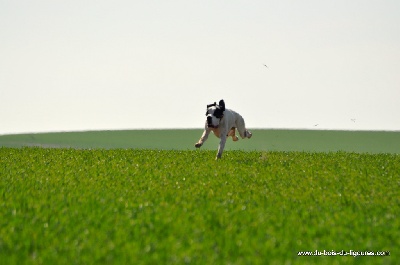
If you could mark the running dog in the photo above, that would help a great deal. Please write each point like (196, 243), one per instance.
(223, 123)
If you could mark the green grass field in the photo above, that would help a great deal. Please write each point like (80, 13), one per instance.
(262, 140)
(157, 206)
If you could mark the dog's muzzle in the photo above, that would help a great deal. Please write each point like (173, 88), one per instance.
(209, 122)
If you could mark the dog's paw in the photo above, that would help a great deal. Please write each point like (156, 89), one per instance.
(235, 138)
(198, 145)
(249, 134)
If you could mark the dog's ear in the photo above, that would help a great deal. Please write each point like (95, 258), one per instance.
(222, 104)
(219, 112)
(212, 105)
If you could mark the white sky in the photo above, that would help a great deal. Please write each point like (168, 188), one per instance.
(90, 65)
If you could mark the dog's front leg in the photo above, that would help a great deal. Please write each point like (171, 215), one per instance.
(221, 145)
(203, 138)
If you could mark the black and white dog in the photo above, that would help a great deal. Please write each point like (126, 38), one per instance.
(223, 123)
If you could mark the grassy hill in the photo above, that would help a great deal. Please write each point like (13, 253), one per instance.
(263, 140)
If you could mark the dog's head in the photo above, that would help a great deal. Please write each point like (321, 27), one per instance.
(215, 113)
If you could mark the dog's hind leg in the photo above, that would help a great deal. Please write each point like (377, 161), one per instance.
(243, 132)
(232, 133)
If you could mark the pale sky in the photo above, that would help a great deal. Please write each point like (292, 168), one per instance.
(94, 65)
